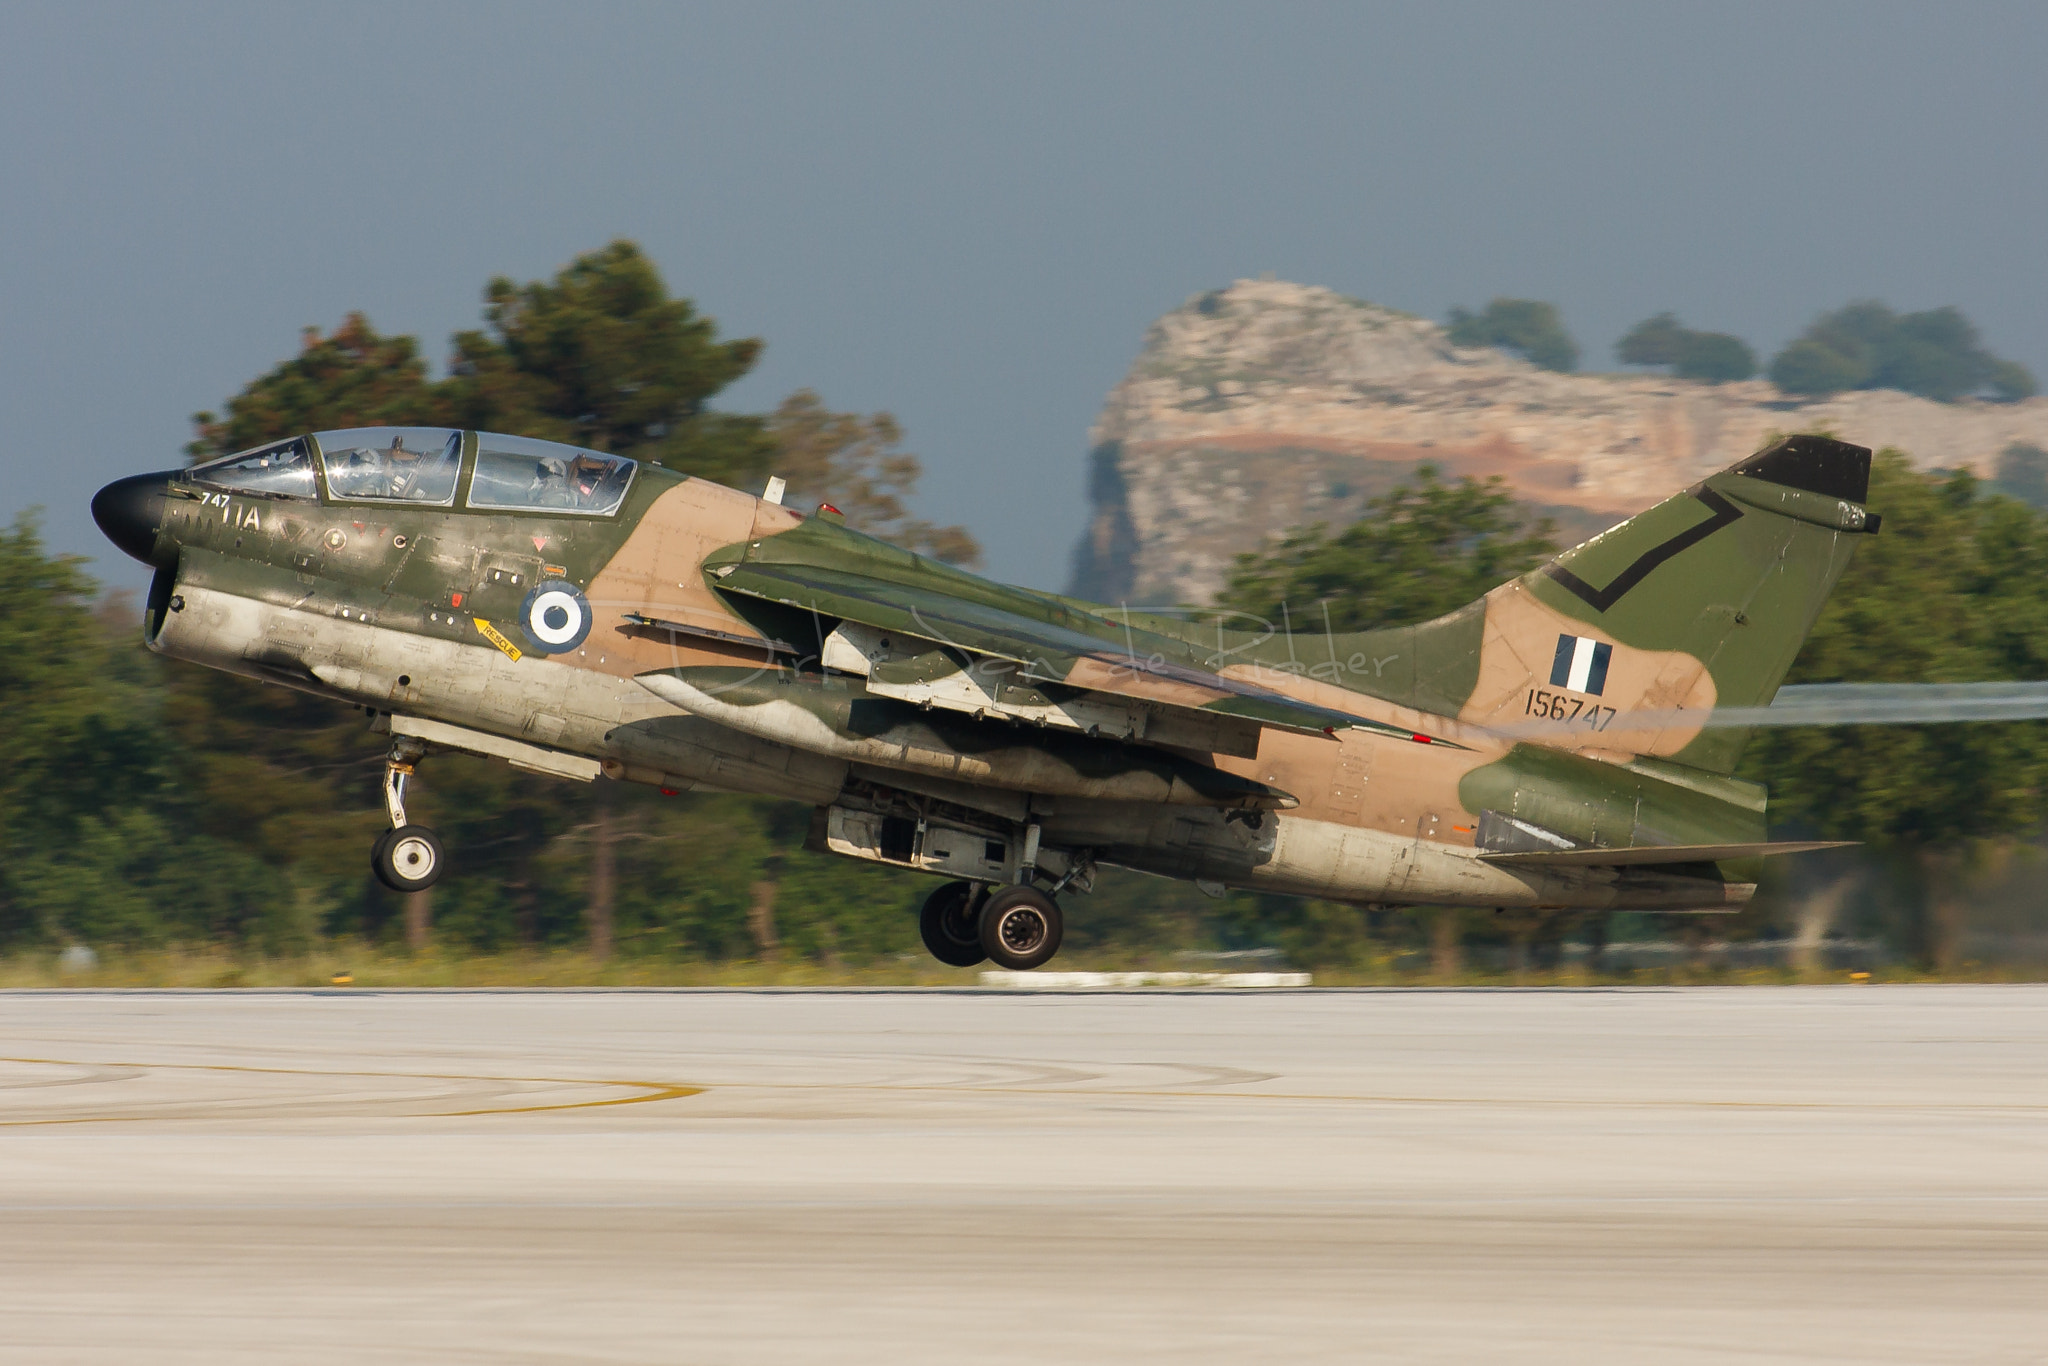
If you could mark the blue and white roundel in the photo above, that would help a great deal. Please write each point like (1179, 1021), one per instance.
(555, 617)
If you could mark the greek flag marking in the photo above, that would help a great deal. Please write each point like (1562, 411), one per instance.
(1580, 664)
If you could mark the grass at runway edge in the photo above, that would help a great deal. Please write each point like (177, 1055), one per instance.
(382, 967)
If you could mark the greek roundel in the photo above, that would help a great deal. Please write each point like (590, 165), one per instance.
(555, 617)
(1580, 664)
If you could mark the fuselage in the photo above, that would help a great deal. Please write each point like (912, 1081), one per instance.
(562, 609)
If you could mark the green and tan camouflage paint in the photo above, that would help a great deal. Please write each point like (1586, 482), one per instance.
(711, 609)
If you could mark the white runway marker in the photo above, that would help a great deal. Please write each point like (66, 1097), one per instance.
(1042, 980)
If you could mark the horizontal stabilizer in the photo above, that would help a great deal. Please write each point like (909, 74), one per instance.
(1659, 854)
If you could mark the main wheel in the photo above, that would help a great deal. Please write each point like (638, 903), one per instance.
(949, 925)
(408, 859)
(1020, 928)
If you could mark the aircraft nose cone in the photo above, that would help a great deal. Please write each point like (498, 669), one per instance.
(130, 511)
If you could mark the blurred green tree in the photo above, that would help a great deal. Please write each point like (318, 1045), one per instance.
(1715, 357)
(1936, 354)
(1422, 549)
(353, 376)
(602, 356)
(97, 842)
(1527, 327)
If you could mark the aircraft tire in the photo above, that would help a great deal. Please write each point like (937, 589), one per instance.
(377, 853)
(1021, 928)
(949, 925)
(408, 859)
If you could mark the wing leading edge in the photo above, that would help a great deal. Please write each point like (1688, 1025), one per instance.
(1047, 641)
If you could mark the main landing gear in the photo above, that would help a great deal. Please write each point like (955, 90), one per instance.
(405, 858)
(1015, 927)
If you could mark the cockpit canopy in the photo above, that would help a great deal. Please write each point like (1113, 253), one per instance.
(519, 472)
(284, 469)
(392, 464)
(423, 466)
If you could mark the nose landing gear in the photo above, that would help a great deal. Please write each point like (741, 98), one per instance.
(405, 858)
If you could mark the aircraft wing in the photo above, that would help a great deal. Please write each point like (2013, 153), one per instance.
(1044, 648)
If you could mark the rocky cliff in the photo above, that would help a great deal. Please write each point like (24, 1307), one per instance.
(1266, 405)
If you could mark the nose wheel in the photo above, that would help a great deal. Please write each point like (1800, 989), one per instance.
(408, 859)
(405, 858)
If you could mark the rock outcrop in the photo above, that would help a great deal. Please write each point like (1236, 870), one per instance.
(1268, 405)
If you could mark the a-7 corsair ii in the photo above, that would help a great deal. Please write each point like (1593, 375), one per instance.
(581, 615)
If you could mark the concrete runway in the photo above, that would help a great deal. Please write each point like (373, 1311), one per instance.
(1838, 1174)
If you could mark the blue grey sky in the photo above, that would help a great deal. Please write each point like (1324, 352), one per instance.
(968, 214)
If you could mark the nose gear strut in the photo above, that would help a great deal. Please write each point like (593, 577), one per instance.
(405, 858)
(398, 765)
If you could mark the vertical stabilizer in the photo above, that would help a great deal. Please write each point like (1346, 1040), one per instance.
(1702, 601)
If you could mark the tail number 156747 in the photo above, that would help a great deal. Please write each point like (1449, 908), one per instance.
(1560, 706)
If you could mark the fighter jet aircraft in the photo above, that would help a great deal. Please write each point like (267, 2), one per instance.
(574, 613)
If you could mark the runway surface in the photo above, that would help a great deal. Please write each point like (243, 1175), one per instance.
(1852, 1174)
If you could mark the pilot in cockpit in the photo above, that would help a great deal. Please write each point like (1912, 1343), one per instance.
(401, 468)
(359, 475)
(587, 476)
(550, 488)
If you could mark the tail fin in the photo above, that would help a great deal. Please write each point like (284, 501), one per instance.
(1701, 602)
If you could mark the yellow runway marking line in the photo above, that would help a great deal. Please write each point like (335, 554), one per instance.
(655, 1090)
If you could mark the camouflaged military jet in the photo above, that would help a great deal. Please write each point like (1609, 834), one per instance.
(574, 613)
